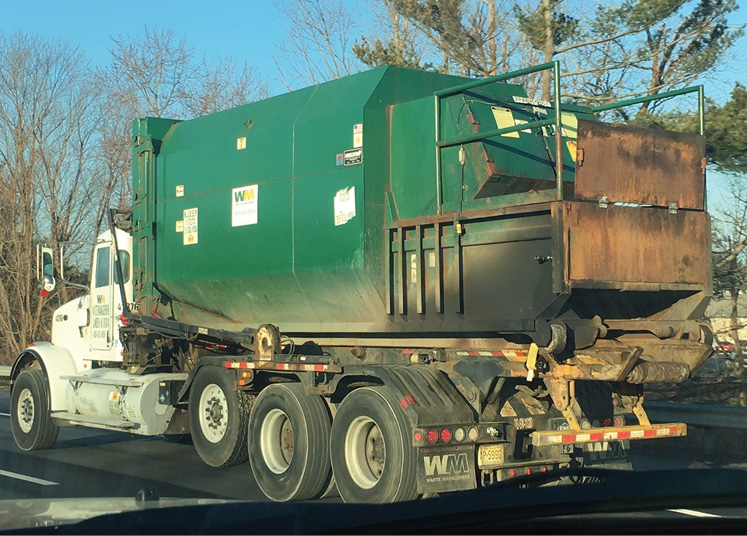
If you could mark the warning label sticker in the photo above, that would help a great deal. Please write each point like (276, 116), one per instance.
(358, 135)
(353, 157)
(190, 226)
(244, 205)
(344, 205)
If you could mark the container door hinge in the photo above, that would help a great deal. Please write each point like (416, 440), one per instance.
(673, 208)
(603, 202)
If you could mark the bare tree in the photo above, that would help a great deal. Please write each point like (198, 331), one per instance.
(318, 45)
(222, 87)
(47, 115)
(156, 75)
(149, 76)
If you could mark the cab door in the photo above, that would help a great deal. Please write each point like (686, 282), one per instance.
(102, 298)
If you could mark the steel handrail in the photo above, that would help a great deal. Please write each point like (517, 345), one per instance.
(659, 96)
(440, 144)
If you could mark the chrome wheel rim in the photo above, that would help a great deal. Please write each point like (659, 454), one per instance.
(277, 441)
(365, 452)
(25, 410)
(213, 413)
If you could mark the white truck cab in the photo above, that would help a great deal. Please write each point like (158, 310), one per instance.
(79, 377)
(88, 326)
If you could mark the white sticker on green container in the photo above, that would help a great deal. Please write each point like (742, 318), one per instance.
(358, 135)
(190, 226)
(244, 203)
(344, 205)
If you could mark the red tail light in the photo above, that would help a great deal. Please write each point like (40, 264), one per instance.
(445, 435)
(432, 436)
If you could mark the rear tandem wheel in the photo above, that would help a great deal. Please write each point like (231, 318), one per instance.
(289, 438)
(372, 458)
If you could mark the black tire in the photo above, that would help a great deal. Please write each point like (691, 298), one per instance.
(218, 416)
(289, 443)
(372, 457)
(30, 420)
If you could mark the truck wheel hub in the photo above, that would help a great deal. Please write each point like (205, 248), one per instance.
(277, 441)
(26, 410)
(214, 413)
(365, 452)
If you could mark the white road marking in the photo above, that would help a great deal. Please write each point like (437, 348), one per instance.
(31, 479)
(694, 513)
(4, 414)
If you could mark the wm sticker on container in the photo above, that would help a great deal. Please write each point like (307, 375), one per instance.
(244, 204)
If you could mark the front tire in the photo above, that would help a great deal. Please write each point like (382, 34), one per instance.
(30, 420)
(372, 457)
(289, 438)
(218, 416)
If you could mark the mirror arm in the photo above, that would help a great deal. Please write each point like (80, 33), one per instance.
(62, 268)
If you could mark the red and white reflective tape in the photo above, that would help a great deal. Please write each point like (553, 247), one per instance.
(238, 365)
(305, 368)
(567, 437)
(277, 366)
(507, 353)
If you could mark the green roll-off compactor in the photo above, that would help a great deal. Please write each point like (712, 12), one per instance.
(392, 284)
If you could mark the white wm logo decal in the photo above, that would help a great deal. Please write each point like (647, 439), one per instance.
(446, 464)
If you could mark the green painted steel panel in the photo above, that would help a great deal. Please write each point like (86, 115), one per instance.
(287, 233)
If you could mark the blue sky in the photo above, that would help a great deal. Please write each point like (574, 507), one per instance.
(247, 30)
(244, 29)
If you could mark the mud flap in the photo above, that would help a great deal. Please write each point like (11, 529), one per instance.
(604, 453)
(451, 469)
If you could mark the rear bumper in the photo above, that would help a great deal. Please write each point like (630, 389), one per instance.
(618, 433)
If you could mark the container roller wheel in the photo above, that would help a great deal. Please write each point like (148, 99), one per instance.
(289, 438)
(218, 416)
(30, 421)
(372, 458)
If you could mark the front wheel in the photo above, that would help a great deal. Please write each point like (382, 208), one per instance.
(289, 438)
(218, 415)
(30, 421)
(372, 457)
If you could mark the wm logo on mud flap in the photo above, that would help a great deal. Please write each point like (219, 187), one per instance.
(446, 464)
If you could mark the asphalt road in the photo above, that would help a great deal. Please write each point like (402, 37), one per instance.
(96, 463)
(92, 463)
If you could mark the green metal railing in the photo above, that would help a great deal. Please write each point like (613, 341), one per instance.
(556, 121)
(659, 96)
(440, 144)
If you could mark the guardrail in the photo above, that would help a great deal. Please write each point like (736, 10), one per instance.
(702, 415)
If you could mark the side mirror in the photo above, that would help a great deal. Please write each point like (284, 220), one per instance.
(49, 283)
(45, 267)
